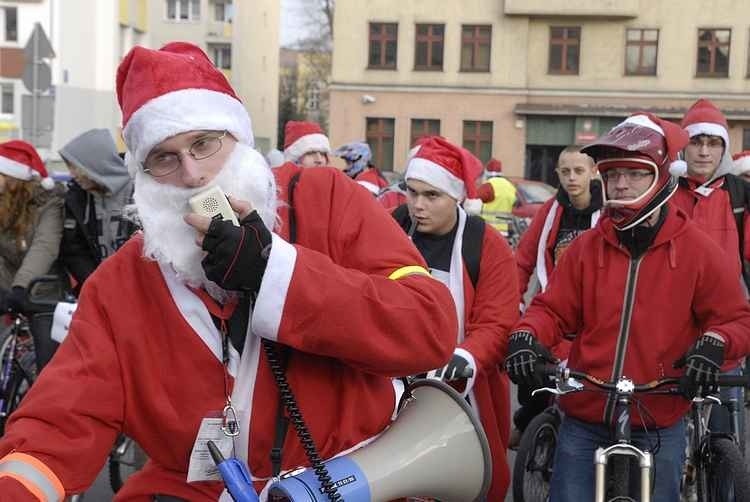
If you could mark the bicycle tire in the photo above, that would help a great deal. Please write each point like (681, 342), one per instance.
(123, 465)
(18, 385)
(532, 470)
(727, 476)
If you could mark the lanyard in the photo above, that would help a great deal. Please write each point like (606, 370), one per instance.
(223, 313)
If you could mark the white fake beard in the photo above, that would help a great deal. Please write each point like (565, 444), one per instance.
(161, 208)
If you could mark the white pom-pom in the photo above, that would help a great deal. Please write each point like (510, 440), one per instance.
(48, 183)
(473, 206)
(678, 168)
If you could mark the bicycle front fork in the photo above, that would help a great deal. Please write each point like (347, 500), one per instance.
(603, 455)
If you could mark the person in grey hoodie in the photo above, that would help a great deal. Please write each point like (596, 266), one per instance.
(94, 226)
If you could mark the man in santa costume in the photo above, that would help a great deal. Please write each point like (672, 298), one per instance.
(717, 201)
(306, 144)
(647, 298)
(359, 167)
(169, 337)
(438, 178)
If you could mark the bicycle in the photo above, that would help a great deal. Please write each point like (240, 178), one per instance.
(532, 469)
(718, 462)
(125, 459)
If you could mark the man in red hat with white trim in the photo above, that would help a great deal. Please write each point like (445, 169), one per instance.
(647, 299)
(438, 178)
(171, 341)
(305, 144)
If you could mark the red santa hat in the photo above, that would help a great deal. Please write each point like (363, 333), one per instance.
(704, 118)
(447, 167)
(20, 160)
(173, 90)
(741, 162)
(303, 137)
(494, 166)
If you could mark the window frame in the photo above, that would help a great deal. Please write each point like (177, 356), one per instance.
(477, 137)
(419, 127)
(377, 149)
(640, 44)
(712, 54)
(6, 9)
(194, 14)
(430, 40)
(217, 52)
(564, 43)
(475, 40)
(3, 94)
(381, 39)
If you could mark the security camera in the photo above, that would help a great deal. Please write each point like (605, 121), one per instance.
(367, 99)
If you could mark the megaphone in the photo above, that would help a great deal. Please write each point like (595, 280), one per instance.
(435, 448)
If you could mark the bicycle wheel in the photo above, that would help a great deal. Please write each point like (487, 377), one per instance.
(532, 470)
(727, 476)
(125, 459)
(18, 385)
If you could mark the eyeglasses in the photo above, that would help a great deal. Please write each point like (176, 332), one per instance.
(631, 175)
(165, 163)
(712, 142)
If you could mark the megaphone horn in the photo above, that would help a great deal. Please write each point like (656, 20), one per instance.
(435, 448)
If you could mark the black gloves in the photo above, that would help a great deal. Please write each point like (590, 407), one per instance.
(524, 352)
(237, 256)
(15, 300)
(702, 366)
(457, 369)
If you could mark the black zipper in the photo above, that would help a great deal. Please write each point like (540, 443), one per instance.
(622, 338)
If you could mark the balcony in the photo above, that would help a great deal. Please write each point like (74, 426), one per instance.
(612, 9)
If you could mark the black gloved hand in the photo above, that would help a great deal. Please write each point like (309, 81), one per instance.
(15, 300)
(524, 353)
(237, 256)
(702, 365)
(457, 369)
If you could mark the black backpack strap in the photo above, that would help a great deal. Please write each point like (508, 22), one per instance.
(282, 422)
(739, 198)
(401, 215)
(471, 246)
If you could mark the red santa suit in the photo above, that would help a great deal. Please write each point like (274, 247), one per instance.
(144, 357)
(485, 314)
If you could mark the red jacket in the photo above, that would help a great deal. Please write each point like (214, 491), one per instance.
(680, 291)
(712, 213)
(143, 356)
(490, 311)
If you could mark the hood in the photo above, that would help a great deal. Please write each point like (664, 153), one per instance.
(95, 153)
(675, 223)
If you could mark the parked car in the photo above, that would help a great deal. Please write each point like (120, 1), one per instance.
(530, 196)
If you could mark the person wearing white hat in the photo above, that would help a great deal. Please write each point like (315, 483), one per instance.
(180, 333)
(30, 222)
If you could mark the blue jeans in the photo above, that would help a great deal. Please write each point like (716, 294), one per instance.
(573, 475)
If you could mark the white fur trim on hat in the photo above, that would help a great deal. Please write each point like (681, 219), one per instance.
(307, 143)
(15, 169)
(643, 120)
(437, 176)
(182, 111)
(709, 129)
(742, 165)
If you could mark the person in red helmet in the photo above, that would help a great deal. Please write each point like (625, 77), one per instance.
(646, 297)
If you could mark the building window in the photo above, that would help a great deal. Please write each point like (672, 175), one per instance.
(184, 10)
(746, 138)
(383, 45)
(476, 42)
(424, 127)
(429, 47)
(380, 139)
(11, 24)
(713, 53)
(641, 48)
(312, 97)
(223, 12)
(6, 98)
(564, 50)
(478, 139)
(221, 55)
